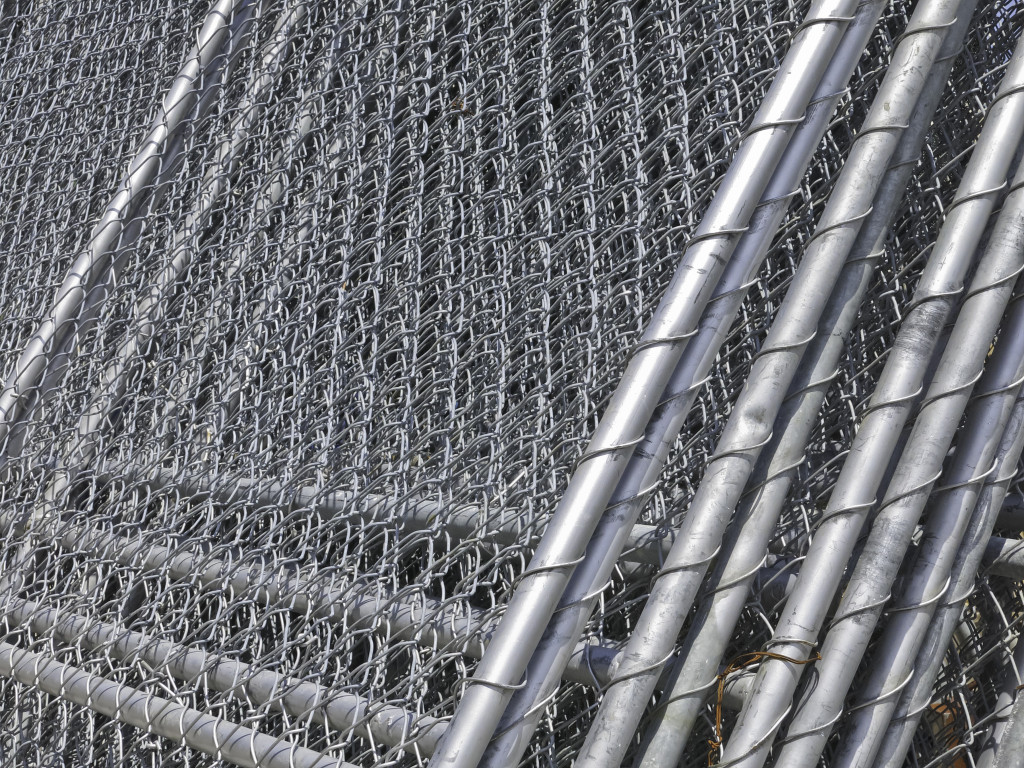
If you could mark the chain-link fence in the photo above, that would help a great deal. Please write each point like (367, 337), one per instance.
(498, 383)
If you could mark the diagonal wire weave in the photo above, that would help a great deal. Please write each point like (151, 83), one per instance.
(291, 454)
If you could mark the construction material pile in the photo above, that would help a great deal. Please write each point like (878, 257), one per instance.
(505, 383)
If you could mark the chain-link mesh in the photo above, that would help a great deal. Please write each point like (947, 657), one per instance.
(317, 392)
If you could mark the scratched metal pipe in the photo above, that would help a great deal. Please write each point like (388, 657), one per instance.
(694, 673)
(750, 424)
(617, 529)
(920, 467)
(906, 626)
(852, 497)
(916, 695)
(540, 587)
(893, 660)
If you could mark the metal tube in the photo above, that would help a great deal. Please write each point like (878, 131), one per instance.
(1009, 753)
(342, 711)
(647, 463)
(916, 695)
(865, 466)
(1012, 514)
(1005, 557)
(220, 41)
(695, 672)
(150, 308)
(386, 724)
(949, 517)
(928, 578)
(153, 304)
(918, 469)
(749, 427)
(645, 543)
(418, 618)
(224, 740)
(635, 399)
(77, 298)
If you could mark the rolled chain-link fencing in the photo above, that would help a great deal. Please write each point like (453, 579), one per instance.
(499, 383)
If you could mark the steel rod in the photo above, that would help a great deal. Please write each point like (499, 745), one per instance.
(648, 461)
(865, 466)
(153, 304)
(917, 694)
(536, 597)
(342, 711)
(695, 672)
(224, 740)
(749, 427)
(894, 525)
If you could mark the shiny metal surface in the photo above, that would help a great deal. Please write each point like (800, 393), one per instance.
(498, 383)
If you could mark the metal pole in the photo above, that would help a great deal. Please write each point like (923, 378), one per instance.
(894, 525)
(223, 35)
(866, 464)
(694, 674)
(342, 711)
(917, 694)
(1005, 557)
(621, 428)
(647, 463)
(416, 618)
(1012, 513)
(151, 306)
(386, 724)
(1010, 749)
(896, 522)
(78, 299)
(749, 427)
(896, 651)
(644, 544)
(224, 740)
(1002, 131)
